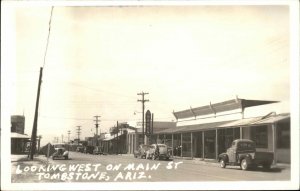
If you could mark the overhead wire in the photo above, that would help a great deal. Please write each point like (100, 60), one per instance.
(49, 30)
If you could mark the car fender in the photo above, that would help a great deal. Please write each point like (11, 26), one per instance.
(223, 156)
(248, 157)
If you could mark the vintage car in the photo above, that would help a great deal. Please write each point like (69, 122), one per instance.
(60, 153)
(141, 152)
(158, 151)
(243, 153)
(88, 149)
(80, 149)
(98, 150)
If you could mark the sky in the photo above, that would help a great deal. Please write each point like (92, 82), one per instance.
(99, 58)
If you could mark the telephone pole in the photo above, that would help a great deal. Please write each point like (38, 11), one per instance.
(34, 128)
(69, 132)
(78, 133)
(97, 125)
(143, 100)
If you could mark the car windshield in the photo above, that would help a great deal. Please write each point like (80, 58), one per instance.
(246, 145)
(162, 146)
(146, 146)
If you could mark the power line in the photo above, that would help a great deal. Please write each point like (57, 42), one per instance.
(48, 37)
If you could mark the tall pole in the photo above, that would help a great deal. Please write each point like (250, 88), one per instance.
(143, 108)
(78, 133)
(69, 132)
(97, 125)
(34, 128)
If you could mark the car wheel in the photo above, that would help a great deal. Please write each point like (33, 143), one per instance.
(222, 163)
(153, 157)
(244, 164)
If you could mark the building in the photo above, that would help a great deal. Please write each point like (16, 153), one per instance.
(19, 141)
(135, 135)
(206, 140)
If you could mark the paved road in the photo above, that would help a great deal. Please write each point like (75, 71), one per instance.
(118, 168)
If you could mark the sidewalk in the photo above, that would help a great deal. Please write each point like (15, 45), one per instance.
(211, 162)
(25, 158)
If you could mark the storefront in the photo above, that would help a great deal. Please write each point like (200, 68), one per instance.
(270, 133)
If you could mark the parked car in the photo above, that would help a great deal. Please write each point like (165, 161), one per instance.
(98, 150)
(141, 152)
(79, 149)
(60, 153)
(88, 149)
(243, 153)
(158, 151)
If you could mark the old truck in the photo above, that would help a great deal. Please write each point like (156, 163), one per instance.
(243, 153)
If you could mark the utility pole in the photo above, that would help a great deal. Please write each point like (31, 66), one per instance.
(143, 100)
(69, 132)
(97, 125)
(78, 132)
(118, 138)
(62, 138)
(34, 128)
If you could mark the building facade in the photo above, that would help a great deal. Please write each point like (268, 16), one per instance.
(20, 142)
(207, 140)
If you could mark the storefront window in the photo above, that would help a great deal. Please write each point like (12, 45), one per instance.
(209, 144)
(283, 135)
(197, 144)
(186, 144)
(259, 134)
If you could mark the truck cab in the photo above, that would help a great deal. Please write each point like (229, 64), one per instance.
(243, 153)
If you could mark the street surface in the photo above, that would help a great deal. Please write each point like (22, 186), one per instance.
(117, 168)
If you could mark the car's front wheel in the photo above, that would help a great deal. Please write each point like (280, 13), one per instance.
(244, 164)
(222, 163)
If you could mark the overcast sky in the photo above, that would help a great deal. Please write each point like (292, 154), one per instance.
(99, 58)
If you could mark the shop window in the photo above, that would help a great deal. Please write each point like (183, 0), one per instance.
(259, 134)
(283, 135)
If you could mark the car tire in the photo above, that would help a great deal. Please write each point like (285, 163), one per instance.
(244, 164)
(222, 163)
(153, 157)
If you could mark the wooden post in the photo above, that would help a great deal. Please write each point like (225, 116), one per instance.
(217, 146)
(192, 145)
(274, 126)
(241, 132)
(34, 128)
(172, 145)
(181, 144)
(203, 152)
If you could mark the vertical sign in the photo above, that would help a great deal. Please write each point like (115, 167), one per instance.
(148, 123)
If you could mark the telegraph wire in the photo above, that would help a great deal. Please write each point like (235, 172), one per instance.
(48, 36)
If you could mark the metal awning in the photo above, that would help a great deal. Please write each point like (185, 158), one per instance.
(267, 119)
(193, 128)
(219, 107)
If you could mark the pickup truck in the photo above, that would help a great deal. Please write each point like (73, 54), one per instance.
(243, 153)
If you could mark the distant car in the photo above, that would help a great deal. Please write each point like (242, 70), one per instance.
(158, 151)
(98, 150)
(79, 149)
(88, 149)
(142, 150)
(60, 153)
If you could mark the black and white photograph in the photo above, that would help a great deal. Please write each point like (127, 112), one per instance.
(143, 95)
